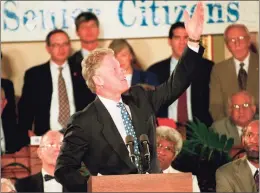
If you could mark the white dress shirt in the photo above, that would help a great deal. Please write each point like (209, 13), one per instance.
(84, 52)
(51, 185)
(2, 137)
(115, 114)
(129, 79)
(240, 130)
(54, 109)
(246, 64)
(173, 108)
(252, 167)
(195, 186)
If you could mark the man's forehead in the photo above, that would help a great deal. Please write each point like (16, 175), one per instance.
(52, 137)
(253, 127)
(240, 98)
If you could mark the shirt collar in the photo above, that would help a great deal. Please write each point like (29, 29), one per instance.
(54, 65)
(108, 102)
(245, 61)
(84, 52)
(44, 172)
(252, 167)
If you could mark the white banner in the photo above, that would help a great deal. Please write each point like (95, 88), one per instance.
(32, 20)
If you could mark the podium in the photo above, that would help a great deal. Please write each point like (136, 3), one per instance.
(177, 182)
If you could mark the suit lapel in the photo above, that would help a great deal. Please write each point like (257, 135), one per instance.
(233, 131)
(243, 176)
(37, 183)
(232, 77)
(47, 84)
(253, 71)
(111, 133)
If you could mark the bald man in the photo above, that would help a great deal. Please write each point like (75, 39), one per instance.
(48, 152)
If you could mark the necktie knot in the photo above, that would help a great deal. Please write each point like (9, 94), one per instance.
(120, 105)
(48, 177)
(60, 69)
(242, 65)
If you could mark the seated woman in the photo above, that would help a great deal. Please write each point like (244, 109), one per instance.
(124, 53)
(169, 144)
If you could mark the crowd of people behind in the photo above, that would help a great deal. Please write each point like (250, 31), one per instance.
(224, 96)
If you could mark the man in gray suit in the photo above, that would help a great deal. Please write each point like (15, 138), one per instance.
(241, 109)
(242, 175)
(240, 72)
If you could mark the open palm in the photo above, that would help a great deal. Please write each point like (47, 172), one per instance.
(194, 25)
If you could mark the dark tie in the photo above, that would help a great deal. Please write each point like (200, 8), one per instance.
(129, 128)
(182, 111)
(256, 177)
(48, 177)
(64, 108)
(242, 77)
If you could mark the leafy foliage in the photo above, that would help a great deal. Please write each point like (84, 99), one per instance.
(205, 143)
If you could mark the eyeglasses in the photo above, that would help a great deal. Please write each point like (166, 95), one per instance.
(54, 145)
(244, 106)
(237, 39)
(167, 148)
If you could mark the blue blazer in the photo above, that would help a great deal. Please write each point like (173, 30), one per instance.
(140, 77)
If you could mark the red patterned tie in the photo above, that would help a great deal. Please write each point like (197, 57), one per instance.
(64, 108)
(182, 114)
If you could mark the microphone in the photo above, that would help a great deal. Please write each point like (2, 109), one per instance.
(146, 152)
(129, 140)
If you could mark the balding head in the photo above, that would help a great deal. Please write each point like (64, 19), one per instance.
(250, 140)
(50, 147)
(241, 108)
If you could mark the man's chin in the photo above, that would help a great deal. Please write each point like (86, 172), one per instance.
(253, 155)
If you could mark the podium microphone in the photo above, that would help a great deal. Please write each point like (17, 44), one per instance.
(129, 140)
(144, 141)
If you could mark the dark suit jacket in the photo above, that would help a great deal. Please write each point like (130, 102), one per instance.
(93, 138)
(235, 176)
(199, 88)
(35, 101)
(32, 183)
(9, 119)
(144, 77)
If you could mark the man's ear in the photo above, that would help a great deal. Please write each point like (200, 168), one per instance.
(98, 80)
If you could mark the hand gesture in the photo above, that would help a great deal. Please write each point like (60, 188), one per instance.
(194, 25)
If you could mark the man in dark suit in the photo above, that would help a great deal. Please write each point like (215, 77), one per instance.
(87, 26)
(54, 90)
(195, 100)
(44, 181)
(242, 175)
(96, 134)
(9, 118)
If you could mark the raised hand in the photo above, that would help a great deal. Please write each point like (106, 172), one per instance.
(194, 25)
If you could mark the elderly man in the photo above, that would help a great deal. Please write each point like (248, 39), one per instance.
(7, 185)
(44, 181)
(242, 175)
(242, 109)
(169, 144)
(240, 72)
(96, 134)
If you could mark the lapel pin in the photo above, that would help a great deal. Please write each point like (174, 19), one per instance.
(74, 73)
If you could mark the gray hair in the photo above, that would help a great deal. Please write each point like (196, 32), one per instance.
(8, 183)
(172, 135)
(233, 26)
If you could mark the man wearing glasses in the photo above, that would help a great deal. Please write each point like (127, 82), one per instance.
(240, 72)
(242, 108)
(44, 181)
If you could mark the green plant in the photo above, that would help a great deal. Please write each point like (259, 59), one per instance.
(205, 143)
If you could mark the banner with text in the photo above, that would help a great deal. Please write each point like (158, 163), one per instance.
(32, 20)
